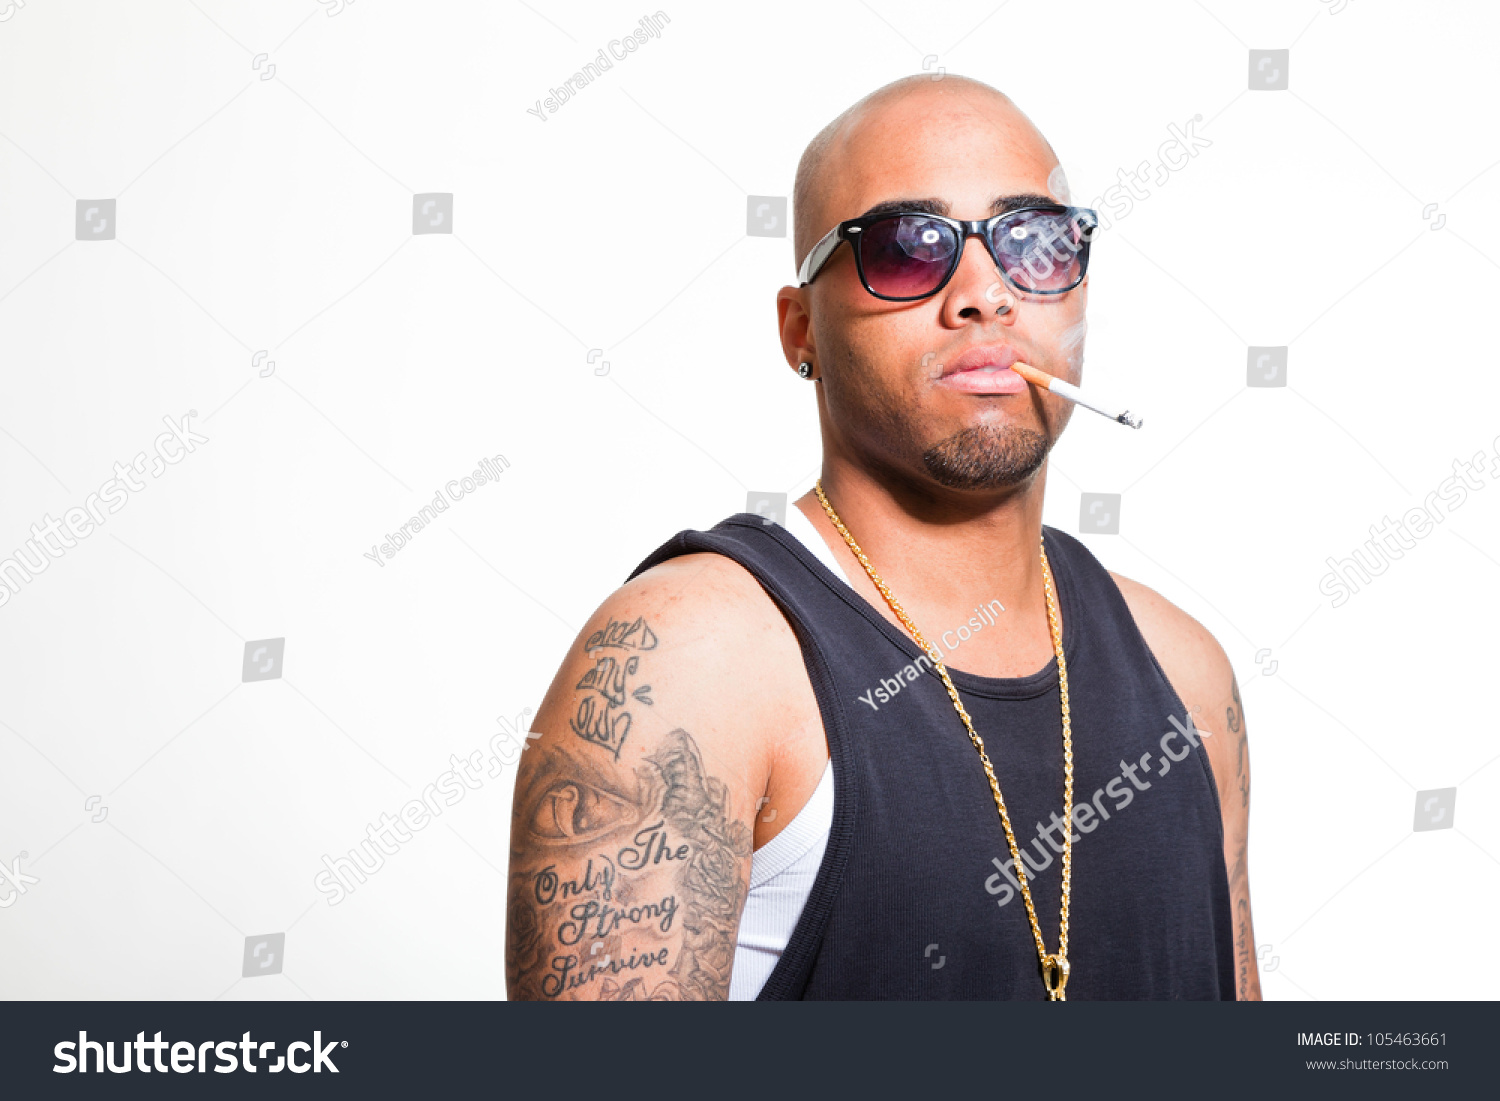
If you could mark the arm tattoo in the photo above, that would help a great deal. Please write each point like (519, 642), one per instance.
(628, 895)
(1238, 873)
(1242, 947)
(601, 717)
(1234, 710)
(1239, 891)
(1235, 716)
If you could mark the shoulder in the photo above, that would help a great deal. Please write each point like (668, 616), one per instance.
(1193, 660)
(708, 598)
(1176, 638)
(693, 642)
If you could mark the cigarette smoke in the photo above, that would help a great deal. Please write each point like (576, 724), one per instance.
(1071, 344)
(1057, 185)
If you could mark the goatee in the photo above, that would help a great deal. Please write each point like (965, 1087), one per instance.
(987, 457)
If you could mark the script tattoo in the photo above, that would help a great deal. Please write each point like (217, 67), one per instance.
(1239, 871)
(1239, 890)
(601, 717)
(1235, 714)
(626, 636)
(625, 895)
(1242, 946)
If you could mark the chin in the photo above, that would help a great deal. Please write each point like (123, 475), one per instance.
(987, 456)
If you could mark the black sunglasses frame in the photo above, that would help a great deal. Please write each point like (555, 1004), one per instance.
(851, 230)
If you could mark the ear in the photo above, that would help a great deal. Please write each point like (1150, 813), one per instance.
(795, 325)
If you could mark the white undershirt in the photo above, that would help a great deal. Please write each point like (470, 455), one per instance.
(783, 869)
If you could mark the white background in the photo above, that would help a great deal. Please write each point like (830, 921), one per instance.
(276, 214)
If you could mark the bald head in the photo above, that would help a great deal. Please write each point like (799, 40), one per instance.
(899, 116)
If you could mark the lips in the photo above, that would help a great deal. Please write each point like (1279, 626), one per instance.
(983, 370)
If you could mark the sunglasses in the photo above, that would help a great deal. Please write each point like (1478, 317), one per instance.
(902, 256)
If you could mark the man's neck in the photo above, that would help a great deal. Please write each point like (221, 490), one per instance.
(942, 555)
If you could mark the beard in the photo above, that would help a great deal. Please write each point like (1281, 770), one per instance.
(987, 457)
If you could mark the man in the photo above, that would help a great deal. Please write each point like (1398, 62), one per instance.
(752, 780)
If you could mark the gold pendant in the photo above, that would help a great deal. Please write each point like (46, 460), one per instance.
(1055, 976)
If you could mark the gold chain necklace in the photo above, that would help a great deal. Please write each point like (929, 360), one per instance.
(1054, 966)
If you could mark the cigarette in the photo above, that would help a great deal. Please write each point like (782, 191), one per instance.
(1067, 390)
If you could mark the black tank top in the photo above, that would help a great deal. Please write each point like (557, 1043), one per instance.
(911, 900)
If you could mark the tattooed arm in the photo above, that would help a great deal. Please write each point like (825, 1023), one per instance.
(1199, 671)
(1231, 763)
(631, 828)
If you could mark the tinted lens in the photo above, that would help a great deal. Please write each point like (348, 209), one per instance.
(906, 256)
(1041, 250)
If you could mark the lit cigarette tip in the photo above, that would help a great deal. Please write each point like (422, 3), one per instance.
(1065, 389)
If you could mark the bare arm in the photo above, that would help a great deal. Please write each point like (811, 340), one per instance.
(1231, 763)
(1199, 671)
(630, 834)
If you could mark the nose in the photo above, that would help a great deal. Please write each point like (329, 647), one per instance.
(976, 290)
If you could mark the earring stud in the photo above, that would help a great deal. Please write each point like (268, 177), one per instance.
(805, 369)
